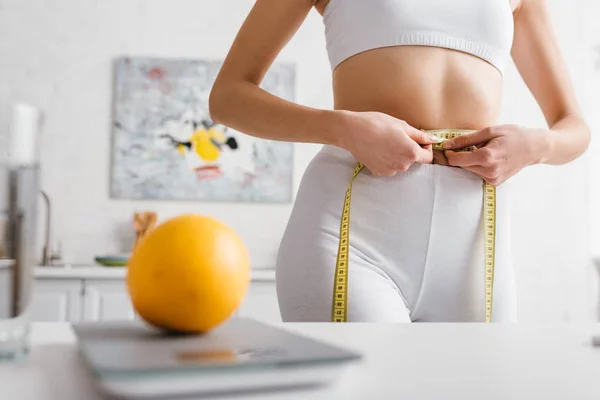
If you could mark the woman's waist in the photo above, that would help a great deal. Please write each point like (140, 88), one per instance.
(334, 158)
(426, 111)
(425, 94)
(438, 167)
(331, 170)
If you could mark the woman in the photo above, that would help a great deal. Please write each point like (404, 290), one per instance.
(401, 69)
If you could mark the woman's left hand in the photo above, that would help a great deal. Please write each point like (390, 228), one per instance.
(501, 151)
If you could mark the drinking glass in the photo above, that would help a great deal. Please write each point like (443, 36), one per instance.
(19, 191)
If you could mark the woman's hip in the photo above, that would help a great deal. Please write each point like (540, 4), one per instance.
(391, 209)
(396, 222)
(422, 229)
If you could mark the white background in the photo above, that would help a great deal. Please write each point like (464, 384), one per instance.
(58, 54)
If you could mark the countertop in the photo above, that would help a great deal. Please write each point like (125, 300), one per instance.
(92, 271)
(99, 272)
(401, 361)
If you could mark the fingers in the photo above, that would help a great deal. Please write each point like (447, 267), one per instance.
(472, 139)
(424, 155)
(481, 157)
(477, 170)
(417, 154)
(388, 174)
(491, 175)
(421, 137)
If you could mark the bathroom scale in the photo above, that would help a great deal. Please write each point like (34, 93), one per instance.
(129, 359)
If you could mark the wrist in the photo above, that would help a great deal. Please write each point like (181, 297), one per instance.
(545, 144)
(337, 128)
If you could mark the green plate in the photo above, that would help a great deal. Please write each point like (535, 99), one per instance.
(112, 261)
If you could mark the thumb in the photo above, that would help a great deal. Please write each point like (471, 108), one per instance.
(472, 139)
(424, 155)
(422, 137)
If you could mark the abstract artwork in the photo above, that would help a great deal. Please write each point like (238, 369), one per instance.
(165, 146)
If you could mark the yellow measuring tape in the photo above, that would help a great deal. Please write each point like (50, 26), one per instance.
(340, 286)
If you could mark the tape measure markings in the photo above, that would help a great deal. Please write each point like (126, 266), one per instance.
(340, 289)
(489, 212)
(341, 276)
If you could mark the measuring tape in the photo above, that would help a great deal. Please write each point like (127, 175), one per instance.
(340, 285)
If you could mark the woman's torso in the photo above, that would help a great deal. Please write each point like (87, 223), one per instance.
(429, 87)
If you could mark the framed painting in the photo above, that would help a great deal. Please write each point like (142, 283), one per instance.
(165, 146)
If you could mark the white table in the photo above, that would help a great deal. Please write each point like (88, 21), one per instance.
(420, 361)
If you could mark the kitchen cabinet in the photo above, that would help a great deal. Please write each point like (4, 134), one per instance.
(100, 294)
(106, 300)
(53, 301)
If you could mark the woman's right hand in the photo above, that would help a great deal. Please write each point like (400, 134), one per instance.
(386, 145)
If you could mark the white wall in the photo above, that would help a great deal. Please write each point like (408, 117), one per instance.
(592, 107)
(57, 55)
(551, 208)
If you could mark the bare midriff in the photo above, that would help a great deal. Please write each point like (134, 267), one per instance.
(428, 87)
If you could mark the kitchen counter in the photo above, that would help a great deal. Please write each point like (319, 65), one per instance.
(401, 361)
(94, 271)
(99, 272)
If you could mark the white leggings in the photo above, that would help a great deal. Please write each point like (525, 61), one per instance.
(416, 246)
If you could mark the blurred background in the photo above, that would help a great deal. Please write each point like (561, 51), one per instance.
(66, 58)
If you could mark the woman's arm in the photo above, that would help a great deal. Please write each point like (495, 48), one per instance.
(385, 145)
(502, 151)
(538, 58)
(236, 99)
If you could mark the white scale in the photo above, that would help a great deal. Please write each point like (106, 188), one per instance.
(130, 360)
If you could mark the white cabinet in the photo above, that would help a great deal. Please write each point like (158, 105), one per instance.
(261, 303)
(107, 300)
(56, 300)
(4, 294)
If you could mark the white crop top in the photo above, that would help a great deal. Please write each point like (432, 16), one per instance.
(483, 28)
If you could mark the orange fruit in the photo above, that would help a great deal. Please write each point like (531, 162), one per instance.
(189, 274)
